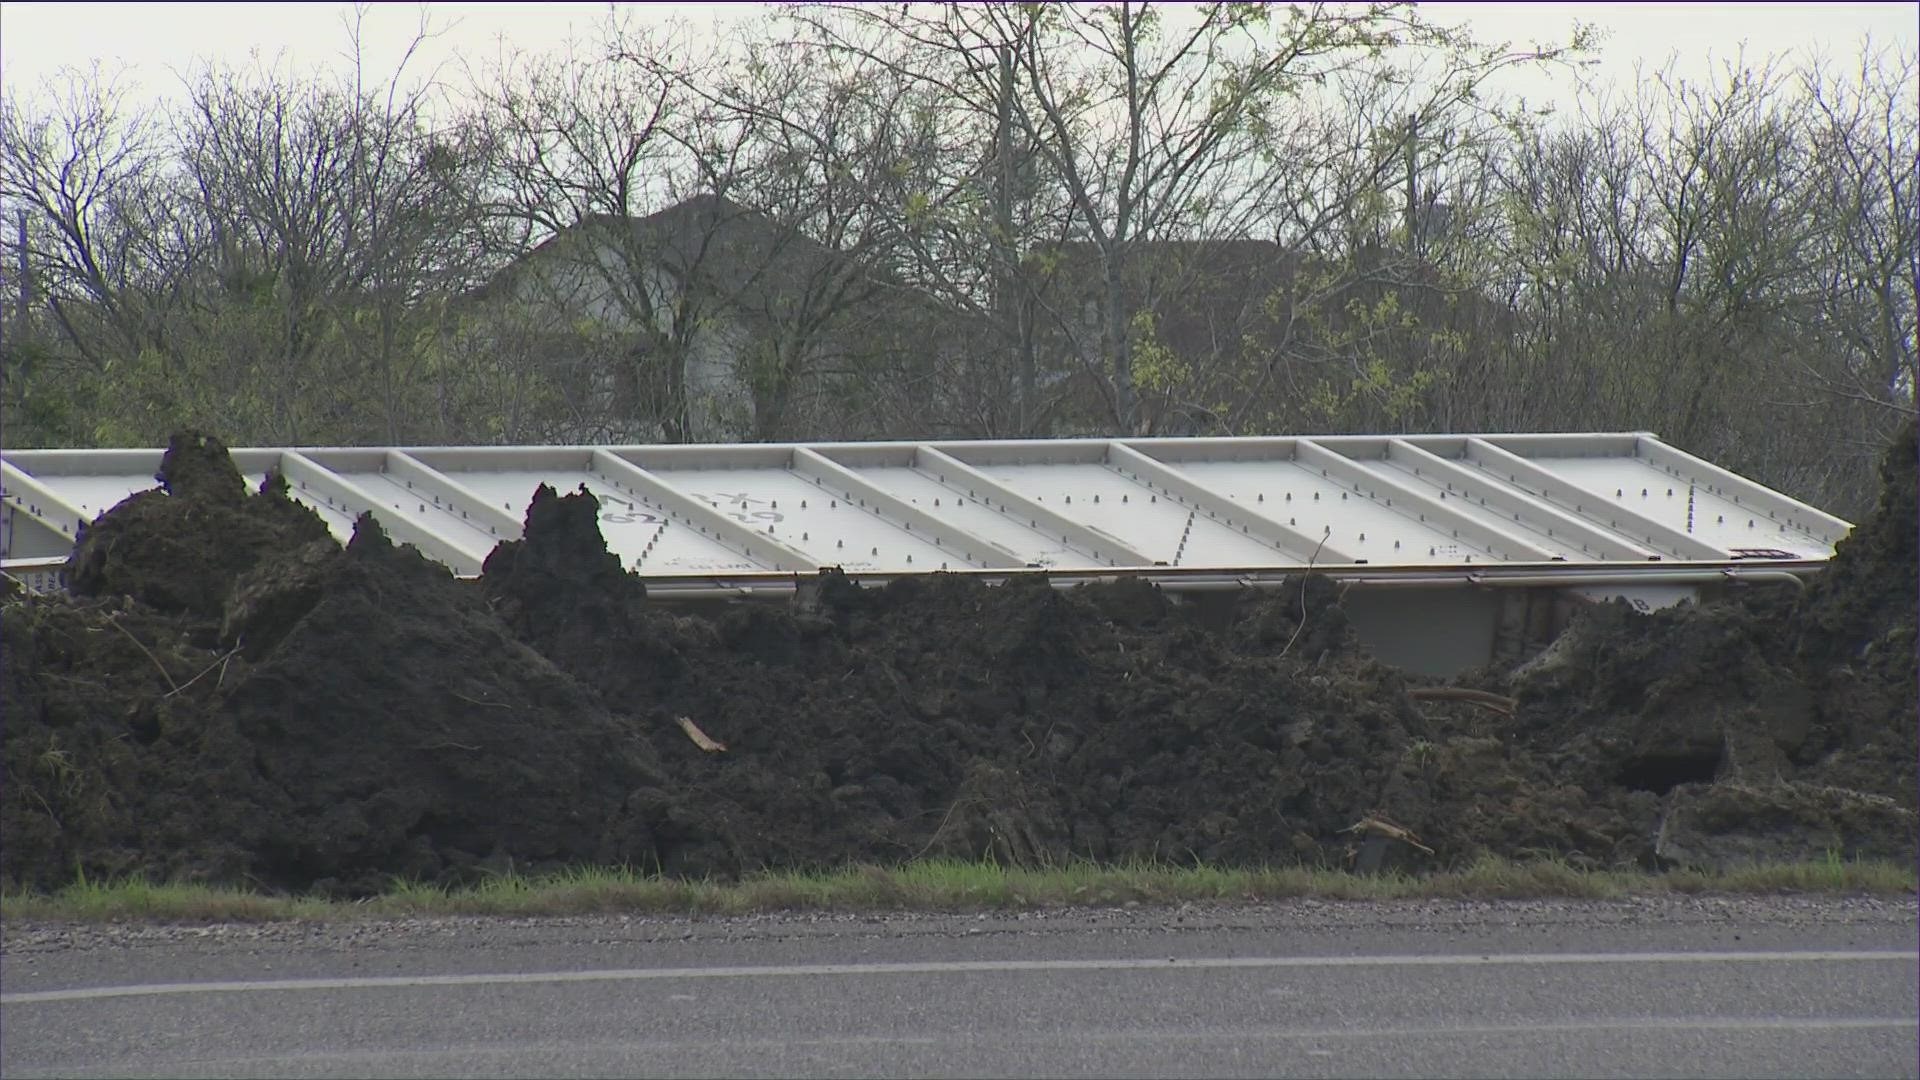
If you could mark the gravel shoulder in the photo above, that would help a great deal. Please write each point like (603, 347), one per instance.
(46, 955)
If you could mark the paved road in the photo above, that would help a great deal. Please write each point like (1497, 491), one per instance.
(1669, 988)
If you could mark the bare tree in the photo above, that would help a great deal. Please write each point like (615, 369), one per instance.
(335, 205)
(1721, 262)
(1157, 127)
(268, 260)
(584, 149)
(1866, 229)
(830, 162)
(82, 179)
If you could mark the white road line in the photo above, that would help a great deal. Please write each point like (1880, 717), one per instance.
(954, 967)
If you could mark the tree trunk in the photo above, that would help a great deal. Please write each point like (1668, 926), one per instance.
(676, 420)
(1011, 302)
(773, 396)
(1119, 351)
(1892, 350)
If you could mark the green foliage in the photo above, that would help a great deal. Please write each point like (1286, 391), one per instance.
(1374, 390)
(1156, 368)
(941, 885)
(43, 404)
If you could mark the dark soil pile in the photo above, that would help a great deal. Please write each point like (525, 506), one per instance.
(231, 695)
(940, 716)
(179, 547)
(1798, 710)
(256, 708)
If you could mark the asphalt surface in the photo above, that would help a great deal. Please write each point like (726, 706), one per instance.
(1692, 987)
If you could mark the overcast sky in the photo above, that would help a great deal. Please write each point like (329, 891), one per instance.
(156, 39)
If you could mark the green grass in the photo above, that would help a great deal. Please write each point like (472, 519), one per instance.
(935, 885)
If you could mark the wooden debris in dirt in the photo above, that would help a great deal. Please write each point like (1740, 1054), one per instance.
(1496, 702)
(700, 738)
(1375, 825)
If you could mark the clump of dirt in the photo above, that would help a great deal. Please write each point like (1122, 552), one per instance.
(560, 590)
(1753, 701)
(178, 548)
(338, 718)
(422, 738)
(234, 696)
(114, 761)
(941, 716)
(1733, 823)
(1861, 608)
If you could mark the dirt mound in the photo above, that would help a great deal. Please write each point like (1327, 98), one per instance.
(426, 739)
(1772, 694)
(114, 761)
(178, 548)
(1728, 824)
(1863, 604)
(560, 590)
(232, 695)
(940, 716)
(342, 717)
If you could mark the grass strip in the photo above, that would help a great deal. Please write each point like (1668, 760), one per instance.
(936, 885)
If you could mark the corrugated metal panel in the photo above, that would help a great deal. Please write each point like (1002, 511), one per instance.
(1246, 505)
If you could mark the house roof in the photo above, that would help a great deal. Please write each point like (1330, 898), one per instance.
(740, 254)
